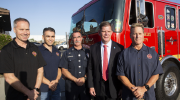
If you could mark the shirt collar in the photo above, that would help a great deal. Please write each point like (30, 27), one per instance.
(142, 49)
(108, 44)
(76, 49)
(44, 48)
(15, 45)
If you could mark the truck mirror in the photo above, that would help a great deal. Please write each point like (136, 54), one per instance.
(140, 8)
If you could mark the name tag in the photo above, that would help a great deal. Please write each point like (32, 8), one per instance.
(70, 56)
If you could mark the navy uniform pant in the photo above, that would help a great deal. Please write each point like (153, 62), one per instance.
(74, 92)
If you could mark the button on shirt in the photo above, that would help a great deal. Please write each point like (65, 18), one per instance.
(138, 67)
(108, 50)
(51, 69)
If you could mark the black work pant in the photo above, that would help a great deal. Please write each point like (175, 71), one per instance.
(77, 93)
(105, 94)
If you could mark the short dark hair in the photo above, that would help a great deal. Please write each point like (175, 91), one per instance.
(137, 25)
(104, 23)
(48, 29)
(75, 32)
(20, 19)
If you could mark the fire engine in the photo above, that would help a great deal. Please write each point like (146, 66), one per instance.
(161, 19)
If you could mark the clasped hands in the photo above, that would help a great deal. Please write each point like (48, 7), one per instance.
(138, 91)
(32, 94)
(80, 81)
(53, 85)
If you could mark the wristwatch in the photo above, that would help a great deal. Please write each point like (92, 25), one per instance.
(85, 78)
(37, 89)
(146, 86)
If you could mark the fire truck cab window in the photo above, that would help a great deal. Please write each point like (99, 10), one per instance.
(149, 13)
(104, 10)
(88, 21)
(170, 18)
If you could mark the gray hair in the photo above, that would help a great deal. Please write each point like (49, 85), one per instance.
(20, 19)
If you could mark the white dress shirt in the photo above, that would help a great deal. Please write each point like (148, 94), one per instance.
(102, 52)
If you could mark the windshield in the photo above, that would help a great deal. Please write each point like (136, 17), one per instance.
(103, 10)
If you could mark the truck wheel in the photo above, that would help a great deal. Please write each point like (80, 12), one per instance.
(167, 86)
(61, 48)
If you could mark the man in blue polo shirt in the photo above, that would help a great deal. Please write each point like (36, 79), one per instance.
(138, 67)
(50, 89)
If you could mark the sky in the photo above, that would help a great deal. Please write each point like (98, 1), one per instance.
(43, 13)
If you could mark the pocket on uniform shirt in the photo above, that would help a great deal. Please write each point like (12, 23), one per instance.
(71, 61)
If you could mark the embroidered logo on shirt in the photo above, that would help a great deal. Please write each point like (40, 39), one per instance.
(57, 53)
(149, 56)
(34, 53)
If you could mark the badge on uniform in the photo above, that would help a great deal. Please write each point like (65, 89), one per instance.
(34, 53)
(149, 56)
(57, 53)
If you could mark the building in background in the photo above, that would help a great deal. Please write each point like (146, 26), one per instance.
(38, 38)
(5, 21)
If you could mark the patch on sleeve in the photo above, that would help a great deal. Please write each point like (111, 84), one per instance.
(87, 54)
(57, 53)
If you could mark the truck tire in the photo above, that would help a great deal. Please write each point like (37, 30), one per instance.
(168, 84)
(61, 48)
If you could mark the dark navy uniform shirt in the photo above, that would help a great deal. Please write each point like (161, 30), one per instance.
(76, 62)
(138, 67)
(51, 69)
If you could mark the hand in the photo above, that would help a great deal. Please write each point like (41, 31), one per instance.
(32, 95)
(139, 93)
(81, 81)
(92, 92)
(53, 85)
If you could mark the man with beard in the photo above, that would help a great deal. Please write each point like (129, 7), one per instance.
(22, 64)
(74, 65)
(50, 89)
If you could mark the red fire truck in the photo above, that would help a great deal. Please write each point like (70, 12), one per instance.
(162, 32)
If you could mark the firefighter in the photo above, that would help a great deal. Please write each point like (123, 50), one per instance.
(74, 65)
(138, 67)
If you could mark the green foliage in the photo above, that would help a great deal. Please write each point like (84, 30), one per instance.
(4, 39)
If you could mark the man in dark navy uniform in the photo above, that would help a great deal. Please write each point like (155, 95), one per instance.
(74, 65)
(50, 89)
(138, 67)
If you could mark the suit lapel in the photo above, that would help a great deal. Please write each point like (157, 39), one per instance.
(98, 54)
(112, 54)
